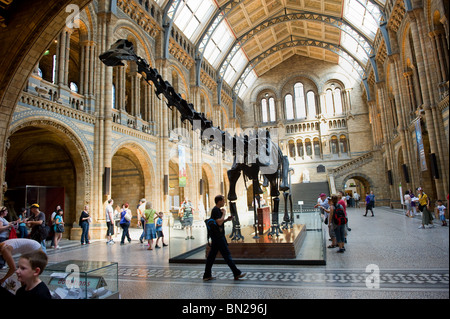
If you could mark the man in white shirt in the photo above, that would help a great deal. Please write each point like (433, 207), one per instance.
(109, 212)
(356, 197)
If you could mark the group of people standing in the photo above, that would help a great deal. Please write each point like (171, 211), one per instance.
(334, 210)
(421, 203)
(150, 221)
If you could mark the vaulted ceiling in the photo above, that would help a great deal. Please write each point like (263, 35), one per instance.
(265, 33)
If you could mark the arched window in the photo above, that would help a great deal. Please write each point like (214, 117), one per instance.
(272, 109)
(316, 143)
(300, 148)
(334, 145)
(329, 102)
(299, 95)
(308, 147)
(268, 113)
(310, 98)
(264, 111)
(291, 148)
(333, 101)
(289, 107)
(343, 144)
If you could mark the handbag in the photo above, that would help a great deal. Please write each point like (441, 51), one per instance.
(128, 216)
(12, 233)
(59, 228)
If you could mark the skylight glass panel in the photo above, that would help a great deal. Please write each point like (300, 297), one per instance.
(220, 42)
(192, 16)
(236, 67)
(344, 64)
(249, 80)
(354, 48)
(363, 15)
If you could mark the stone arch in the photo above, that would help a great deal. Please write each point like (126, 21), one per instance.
(75, 149)
(132, 176)
(148, 167)
(24, 44)
(363, 178)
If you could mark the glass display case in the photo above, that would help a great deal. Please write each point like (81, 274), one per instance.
(303, 244)
(81, 279)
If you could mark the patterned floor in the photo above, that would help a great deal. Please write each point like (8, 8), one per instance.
(387, 257)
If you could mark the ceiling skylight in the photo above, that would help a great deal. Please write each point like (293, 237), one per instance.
(192, 16)
(363, 15)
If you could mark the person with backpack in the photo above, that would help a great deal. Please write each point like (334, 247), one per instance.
(37, 224)
(337, 216)
(216, 231)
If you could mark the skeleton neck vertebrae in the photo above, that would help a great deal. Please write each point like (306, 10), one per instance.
(254, 153)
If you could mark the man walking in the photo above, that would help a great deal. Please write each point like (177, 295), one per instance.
(219, 242)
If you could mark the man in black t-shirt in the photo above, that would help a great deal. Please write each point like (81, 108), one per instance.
(219, 242)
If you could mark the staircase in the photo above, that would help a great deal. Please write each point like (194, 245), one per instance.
(306, 192)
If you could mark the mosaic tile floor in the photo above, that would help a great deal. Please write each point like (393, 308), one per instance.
(387, 257)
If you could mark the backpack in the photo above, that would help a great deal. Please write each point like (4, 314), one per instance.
(339, 215)
(212, 229)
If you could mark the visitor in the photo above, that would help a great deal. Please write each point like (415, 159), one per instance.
(84, 224)
(424, 207)
(37, 224)
(219, 242)
(140, 218)
(23, 230)
(187, 217)
(356, 197)
(58, 228)
(5, 226)
(11, 247)
(159, 231)
(441, 209)
(109, 216)
(368, 205)
(150, 229)
(30, 267)
(407, 203)
(125, 218)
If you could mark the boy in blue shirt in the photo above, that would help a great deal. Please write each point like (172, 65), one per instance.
(159, 232)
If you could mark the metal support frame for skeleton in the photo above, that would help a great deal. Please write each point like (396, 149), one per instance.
(251, 164)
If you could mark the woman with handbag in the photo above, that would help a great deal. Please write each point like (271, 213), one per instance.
(125, 218)
(58, 228)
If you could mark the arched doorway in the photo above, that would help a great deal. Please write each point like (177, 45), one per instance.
(357, 182)
(44, 165)
(131, 178)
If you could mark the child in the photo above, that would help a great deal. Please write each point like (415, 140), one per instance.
(30, 266)
(441, 208)
(159, 231)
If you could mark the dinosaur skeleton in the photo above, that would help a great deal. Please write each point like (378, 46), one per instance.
(254, 154)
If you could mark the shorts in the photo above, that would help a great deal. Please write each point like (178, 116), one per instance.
(442, 218)
(150, 232)
(109, 229)
(159, 233)
(187, 221)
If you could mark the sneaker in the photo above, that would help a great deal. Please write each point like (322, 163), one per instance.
(421, 227)
(208, 278)
(340, 250)
(187, 238)
(156, 246)
(165, 245)
(192, 237)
